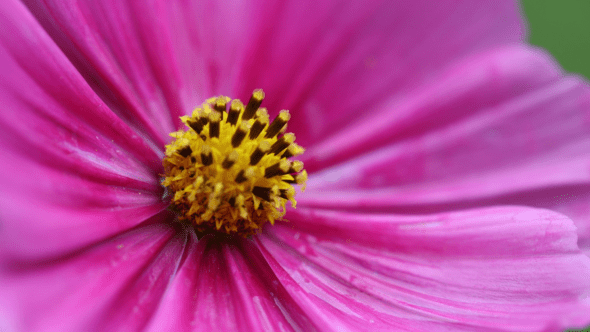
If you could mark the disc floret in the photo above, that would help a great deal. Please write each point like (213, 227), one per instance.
(230, 170)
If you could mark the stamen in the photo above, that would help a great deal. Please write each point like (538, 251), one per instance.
(280, 168)
(230, 160)
(287, 193)
(264, 193)
(277, 124)
(234, 112)
(282, 143)
(296, 167)
(259, 124)
(214, 201)
(220, 105)
(206, 155)
(260, 151)
(240, 204)
(214, 119)
(240, 134)
(197, 125)
(185, 151)
(224, 174)
(253, 104)
(245, 175)
(293, 150)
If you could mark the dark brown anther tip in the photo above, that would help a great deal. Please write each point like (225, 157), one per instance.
(253, 104)
(185, 151)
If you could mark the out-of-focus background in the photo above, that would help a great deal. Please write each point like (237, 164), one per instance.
(563, 28)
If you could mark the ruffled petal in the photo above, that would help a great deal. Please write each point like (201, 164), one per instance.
(227, 286)
(113, 285)
(505, 268)
(333, 63)
(520, 135)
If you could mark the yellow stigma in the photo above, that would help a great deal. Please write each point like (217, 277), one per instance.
(229, 171)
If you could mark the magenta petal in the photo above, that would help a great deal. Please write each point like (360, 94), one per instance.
(113, 285)
(171, 55)
(491, 83)
(334, 62)
(516, 112)
(52, 116)
(72, 171)
(124, 51)
(508, 268)
(524, 140)
(222, 287)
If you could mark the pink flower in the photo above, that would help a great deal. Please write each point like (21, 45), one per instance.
(439, 147)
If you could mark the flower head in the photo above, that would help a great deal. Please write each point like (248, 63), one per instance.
(230, 172)
(448, 168)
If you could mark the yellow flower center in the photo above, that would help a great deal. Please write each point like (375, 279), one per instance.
(230, 170)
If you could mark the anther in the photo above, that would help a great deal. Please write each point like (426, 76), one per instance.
(277, 124)
(198, 121)
(239, 134)
(293, 150)
(196, 188)
(185, 151)
(230, 160)
(296, 167)
(206, 155)
(234, 112)
(287, 193)
(253, 104)
(245, 175)
(280, 168)
(197, 125)
(259, 124)
(298, 178)
(198, 182)
(260, 151)
(220, 105)
(282, 143)
(215, 195)
(214, 201)
(240, 200)
(214, 118)
(263, 192)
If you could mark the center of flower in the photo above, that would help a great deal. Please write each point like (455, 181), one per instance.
(230, 171)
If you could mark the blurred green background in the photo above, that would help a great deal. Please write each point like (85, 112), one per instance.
(563, 28)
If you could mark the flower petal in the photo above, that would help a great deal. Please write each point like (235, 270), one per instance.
(505, 268)
(336, 62)
(170, 55)
(523, 140)
(113, 285)
(123, 50)
(494, 82)
(219, 287)
(51, 115)
(72, 171)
